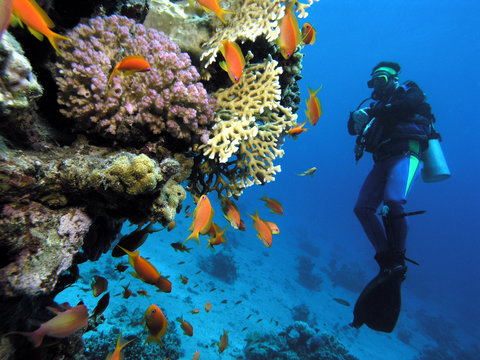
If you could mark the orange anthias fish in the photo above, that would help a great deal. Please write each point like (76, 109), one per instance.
(5, 14)
(202, 219)
(183, 279)
(314, 108)
(264, 232)
(196, 356)
(231, 213)
(208, 306)
(39, 24)
(290, 35)
(130, 65)
(274, 205)
(146, 272)
(234, 60)
(212, 5)
(194, 311)
(309, 34)
(273, 227)
(99, 285)
(61, 326)
(117, 353)
(222, 345)
(186, 327)
(296, 130)
(156, 323)
(216, 236)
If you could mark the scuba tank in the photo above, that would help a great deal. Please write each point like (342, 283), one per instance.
(435, 166)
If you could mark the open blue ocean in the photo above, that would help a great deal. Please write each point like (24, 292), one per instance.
(294, 300)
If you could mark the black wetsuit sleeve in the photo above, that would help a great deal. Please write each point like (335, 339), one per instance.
(409, 100)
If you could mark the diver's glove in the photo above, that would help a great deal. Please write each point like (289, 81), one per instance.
(359, 119)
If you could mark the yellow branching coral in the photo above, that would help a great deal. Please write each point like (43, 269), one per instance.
(249, 19)
(250, 126)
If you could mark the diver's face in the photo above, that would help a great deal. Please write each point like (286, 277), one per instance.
(383, 86)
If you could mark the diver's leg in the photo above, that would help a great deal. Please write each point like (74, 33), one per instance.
(369, 199)
(403, 171)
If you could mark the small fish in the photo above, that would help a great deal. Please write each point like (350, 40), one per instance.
(187, 214)
(181, 263)
(238, 302)
(117, 353)
(212, 5)
(290, 35)
(178, 246)
(121, 267)
(5, 14)
(101, 306)
(194, 311)
(156, 323)
(314, 108)
(64, 324)
(146, 272)
(216, 236)
(99, 285)
(143, 293)
(222, 345)
(127, 292)
(186, 327)
(274, 205)
(184, 279)
(171, 226)
(202, 219)
(231, 213)
(273, 227)
(194, 286)
(224, 301)
(39, 24)
(296, 130)
(342, 302)
(248, 317)
(198, 272)
(196, 356)
(213, 289)
(259, 320)
(264, 232)
(310, 172)
(309, 34)
(245, 328)
(134, 240)
(130, 65)
(208, 306)
(234, 60)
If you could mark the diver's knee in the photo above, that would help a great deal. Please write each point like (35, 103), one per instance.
(361, 211)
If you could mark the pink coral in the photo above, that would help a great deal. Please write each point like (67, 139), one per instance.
(134, 108)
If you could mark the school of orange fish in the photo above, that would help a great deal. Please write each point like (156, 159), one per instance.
(70, 319)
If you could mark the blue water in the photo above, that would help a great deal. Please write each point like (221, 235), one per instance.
(437, 45)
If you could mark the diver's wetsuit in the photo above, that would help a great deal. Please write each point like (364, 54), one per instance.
(401, 133)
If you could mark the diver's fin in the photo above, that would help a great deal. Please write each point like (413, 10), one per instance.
(379, 304)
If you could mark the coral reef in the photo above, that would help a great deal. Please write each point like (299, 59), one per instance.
(306, 277)
(297, 342)
(302, 313)
(166, 102)
(220, 265)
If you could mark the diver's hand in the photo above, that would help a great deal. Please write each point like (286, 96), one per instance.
(359, 118)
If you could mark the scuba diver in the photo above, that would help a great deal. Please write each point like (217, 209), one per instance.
(396, 128)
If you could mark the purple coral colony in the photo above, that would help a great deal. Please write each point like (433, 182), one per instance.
(80, 155)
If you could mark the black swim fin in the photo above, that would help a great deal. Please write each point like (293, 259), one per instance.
(379, 304)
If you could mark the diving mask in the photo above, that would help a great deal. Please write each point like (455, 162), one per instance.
(381, 77)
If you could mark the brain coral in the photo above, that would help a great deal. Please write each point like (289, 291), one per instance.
(147, 106)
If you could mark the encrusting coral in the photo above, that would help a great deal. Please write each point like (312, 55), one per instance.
(166, 101)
